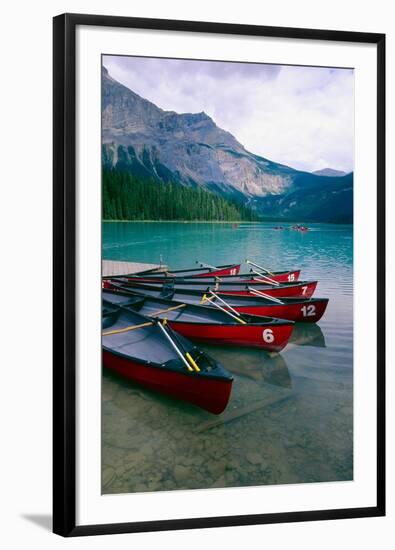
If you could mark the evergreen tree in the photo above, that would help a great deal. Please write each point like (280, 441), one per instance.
(128, 197)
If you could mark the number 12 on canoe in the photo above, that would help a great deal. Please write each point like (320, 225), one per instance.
(308, 311)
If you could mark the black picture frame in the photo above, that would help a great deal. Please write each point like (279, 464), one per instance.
(64, 272)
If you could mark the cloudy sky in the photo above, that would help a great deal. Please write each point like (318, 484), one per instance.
(299, 116)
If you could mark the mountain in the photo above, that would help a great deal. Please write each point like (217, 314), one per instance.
(330, 172)
(191, 150)
(331, 201)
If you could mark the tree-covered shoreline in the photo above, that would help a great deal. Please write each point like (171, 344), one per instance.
(128, 197)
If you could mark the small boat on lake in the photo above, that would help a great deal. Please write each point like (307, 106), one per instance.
(305, 310)
(304, 289)
(215, 325)
(302, 228)
(152, 354)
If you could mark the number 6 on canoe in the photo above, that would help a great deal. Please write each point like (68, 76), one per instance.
(268, 335)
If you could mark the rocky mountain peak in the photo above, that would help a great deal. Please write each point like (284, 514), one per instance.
(190, 149)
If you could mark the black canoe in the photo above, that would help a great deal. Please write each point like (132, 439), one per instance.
(146, 356)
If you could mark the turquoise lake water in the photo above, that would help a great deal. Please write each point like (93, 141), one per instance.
(294, 409)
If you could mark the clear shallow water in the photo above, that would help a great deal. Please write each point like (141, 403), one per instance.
(289, 419)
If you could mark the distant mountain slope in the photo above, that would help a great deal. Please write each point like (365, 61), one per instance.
(330, 172)
(190, 149)
(332, 202)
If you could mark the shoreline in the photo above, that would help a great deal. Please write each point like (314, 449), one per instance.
(176, 221)
(220, 221)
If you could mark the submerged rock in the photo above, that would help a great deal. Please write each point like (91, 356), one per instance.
(254, 458)
(216, 468)
(108, 476)
(182, 473)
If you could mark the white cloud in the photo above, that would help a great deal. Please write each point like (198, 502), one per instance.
(299, 116)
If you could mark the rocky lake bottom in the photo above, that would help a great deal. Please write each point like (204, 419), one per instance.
(278, 428)
(290, 416)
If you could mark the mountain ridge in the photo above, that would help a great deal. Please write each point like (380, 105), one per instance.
(191, 150)
(331, 172)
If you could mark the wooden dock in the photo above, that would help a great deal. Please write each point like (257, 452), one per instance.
(115, 267)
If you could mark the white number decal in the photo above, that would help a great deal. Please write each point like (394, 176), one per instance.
(308, 311)
(304, 288)
(291, 277)
(268, 335)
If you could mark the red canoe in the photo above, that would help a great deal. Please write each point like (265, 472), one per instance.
(209, 325)
(146, 356)
(278, 277)
(308, 310)
(204, 271)
(304, 289)
(304, 310)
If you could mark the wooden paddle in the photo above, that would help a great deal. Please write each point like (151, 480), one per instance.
(259, 267)
(143, 325)
(237, 317)
(264, 278)
(208, 266)
(192, 364)
(160, 311)
(264, 295)
(127, 329)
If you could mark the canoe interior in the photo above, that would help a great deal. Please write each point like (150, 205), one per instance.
(195, 296)
(203, 285)
(148, 345)
(193, 271)
(208, 277)
(188, 314)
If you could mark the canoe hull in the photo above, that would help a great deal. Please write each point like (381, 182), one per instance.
(212, 277)
(302, 312)
(210, 394)
(293, 291)
(290, 290)
(286, 277)
(222, 270)
(232, 270)
(270, 337)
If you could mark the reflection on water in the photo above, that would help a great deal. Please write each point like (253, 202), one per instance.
(307, 334)
(289, 419)
(258, 365)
